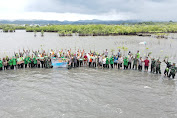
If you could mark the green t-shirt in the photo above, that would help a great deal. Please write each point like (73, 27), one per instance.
(35, 61)
(107, 60)
(111, 60)
(158, 64)
(138, 55)
(173, 70)
(14, 61)
(29, 60)
(126, 62)
(26, 60)
(1, 63)
(10, 62)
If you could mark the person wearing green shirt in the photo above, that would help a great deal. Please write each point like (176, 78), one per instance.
(173, 71)
(14, 62)
(1, 64)
(29, 61)
(135, 62)
(107, 62)
(138, 54)
(26, 62)
(125, 63)
(35, 61)
(111, 61)
(10, 63)
(153, 62)
(158, 70)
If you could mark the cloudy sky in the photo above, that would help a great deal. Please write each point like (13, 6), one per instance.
(73, 10)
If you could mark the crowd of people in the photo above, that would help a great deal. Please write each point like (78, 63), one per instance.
(42, 59)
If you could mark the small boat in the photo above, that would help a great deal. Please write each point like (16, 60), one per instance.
(59, 62)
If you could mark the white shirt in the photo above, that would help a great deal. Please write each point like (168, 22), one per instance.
(120, 60)
(104, 61)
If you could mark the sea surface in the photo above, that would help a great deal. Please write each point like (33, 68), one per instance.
(87, 92)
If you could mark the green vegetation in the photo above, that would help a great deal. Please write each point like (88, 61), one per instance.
(11, 28)
(100, 30)
(105, 30)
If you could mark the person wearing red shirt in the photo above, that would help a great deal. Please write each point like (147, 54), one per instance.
(146, 64)
(85, 59)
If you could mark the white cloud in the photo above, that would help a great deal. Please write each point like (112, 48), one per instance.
(73, 10)
(64, 16)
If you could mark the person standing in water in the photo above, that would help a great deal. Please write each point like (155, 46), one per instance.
(120, 61)
(135, 62)
(158, 63)
(1, 64)
(111, 61)
(107, 62)
(140, 64)
(100, 61)
(26, 62)
(5, 64)
(115, 61)
(94, 61)
(85, 60)
(104, 62)
(167, 67)
(173, 71)
(14, 63)
(153, 63)
(146, 65)
(138, 54)
(129, 61)
(125, 63)
(90, 60)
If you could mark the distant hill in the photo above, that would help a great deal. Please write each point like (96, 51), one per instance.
(45, 22)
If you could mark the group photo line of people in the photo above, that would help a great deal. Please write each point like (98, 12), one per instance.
(37, 59)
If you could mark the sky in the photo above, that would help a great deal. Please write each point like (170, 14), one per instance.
(73, 10)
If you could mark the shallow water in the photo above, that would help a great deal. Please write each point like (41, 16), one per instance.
(86, 92)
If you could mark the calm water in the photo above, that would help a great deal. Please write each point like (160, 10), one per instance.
(86, 92)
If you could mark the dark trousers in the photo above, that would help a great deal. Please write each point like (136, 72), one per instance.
(25, 65)
(104, 65)
(22, 65)
(129, 65)
(107, 65)
(90, 64)
(12, 67)
(77, 63)
(171, 74)
(0, 68)
(81, 63)
(119, 65)
(152, 68)
(42, 63)
(94, 64)
(125, 67)
(140, 68)
(166, 72)
(135, 66)
(5, 68)
(158, 71)
(29, 65)
(111, 65)
(18, 66)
